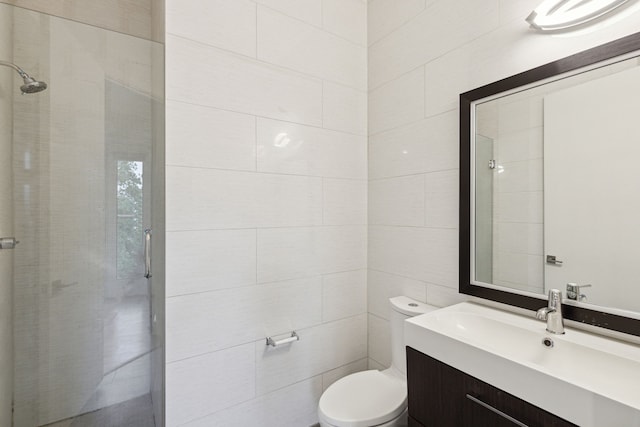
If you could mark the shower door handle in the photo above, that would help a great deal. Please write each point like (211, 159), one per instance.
(147, 253)
(8, 242)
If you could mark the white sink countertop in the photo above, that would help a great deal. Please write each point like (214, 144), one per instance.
(587, 379)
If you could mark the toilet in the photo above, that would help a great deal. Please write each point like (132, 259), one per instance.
(374, 398)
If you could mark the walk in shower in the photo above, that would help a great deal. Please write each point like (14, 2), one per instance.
(81, 189)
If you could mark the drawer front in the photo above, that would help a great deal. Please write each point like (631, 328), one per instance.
(441, 396)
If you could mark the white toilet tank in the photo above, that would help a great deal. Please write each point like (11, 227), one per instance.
(403, 308)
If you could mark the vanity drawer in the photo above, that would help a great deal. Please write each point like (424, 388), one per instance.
(442, 396)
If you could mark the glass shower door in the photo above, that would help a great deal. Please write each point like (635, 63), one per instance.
(83, 190)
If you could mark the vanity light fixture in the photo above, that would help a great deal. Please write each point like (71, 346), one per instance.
(554, 15)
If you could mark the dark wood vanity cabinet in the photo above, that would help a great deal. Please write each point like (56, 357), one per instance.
(442, 396)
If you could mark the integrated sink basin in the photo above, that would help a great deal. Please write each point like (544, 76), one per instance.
(585, 378)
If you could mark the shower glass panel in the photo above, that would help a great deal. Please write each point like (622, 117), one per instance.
(86, 181)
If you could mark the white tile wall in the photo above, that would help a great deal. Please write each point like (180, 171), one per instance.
(280, 366)
(309, 11)
(189, 383)
(205, 75)
(384, 16)
(228, 261)
(290, 148)
(344, 109)
(397, 103)
(266, 206)
(285, 253)
(288, 42)
(379, 341)
(210, 138)
(295, 405)
(344, 201)
(229, 25)
(344, 295)
(213, 321)
(425, 146)
(346, 18)
(200, 199)
(397, 201)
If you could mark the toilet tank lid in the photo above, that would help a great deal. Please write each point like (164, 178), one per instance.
(410, 307)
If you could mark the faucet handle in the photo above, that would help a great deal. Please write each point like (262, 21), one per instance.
(573, 291)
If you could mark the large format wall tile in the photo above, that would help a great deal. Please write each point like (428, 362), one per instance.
(295, 405)
(291, 148)
(227, 24)
(277, 367)
(302, 47)
(207, 137)
(344, 109)
(266, 199)
(209, 198)
(200, 385)
(207, 260)
(385, 16)
(425, 146)
(211, 321)
(232, 82)
(285, 253)
(441, 27)
(346, 18)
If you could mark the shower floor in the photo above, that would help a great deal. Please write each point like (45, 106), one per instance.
(136, 412)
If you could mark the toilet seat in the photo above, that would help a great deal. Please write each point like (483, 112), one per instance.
(363, 399)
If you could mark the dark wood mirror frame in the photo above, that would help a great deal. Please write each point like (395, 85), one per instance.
(586, 58)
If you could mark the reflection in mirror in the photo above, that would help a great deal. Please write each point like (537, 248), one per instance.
(585, 215)
(550, 178)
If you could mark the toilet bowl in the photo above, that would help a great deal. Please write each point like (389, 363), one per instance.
(374, 398)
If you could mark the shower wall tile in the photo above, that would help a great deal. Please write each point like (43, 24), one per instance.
(309, 11)
(344, 201)
(207, 260)
(207, 137)
(344, 109)
(285, 253)
(290, 148)
(132, 17)
(211, 321)
(346, 18)
(210, 198)
(205, 75)
(189, 391)
(227, 24)
(295, 405)
(277, 367)
(310, 50)
(344, 295)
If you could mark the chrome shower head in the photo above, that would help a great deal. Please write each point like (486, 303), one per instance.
(30, 85)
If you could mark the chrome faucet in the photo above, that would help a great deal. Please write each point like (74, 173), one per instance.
(552, 313)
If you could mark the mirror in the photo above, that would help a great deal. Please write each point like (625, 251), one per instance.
(550, 187)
